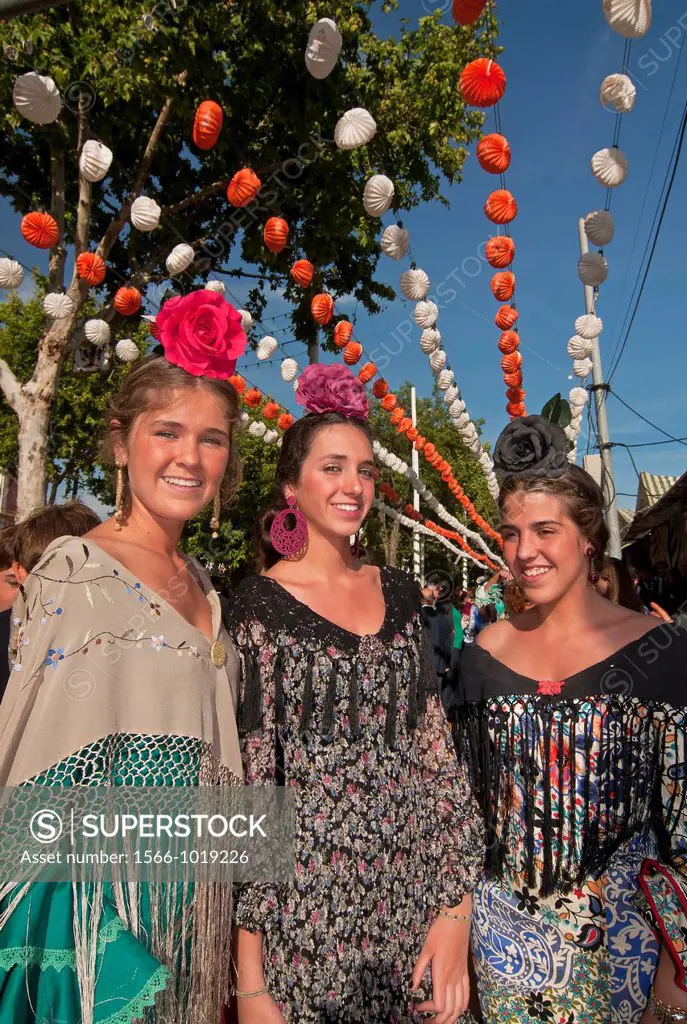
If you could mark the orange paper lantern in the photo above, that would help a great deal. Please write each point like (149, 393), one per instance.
(467, 11)
(343, 333)
(503, 285)
(389, 402)
(500, 251)
(515, 409)
(419, 442)
(239, 383)
(397, 415)
(380, 388)
(127, 301)
(506, 317)
(430, 451)
(501, 207)
(515, 395)
(276, 234)
(412, 434)
(252, 397)
(285, 421)
(91, 267)
(508, 342)
(493, 153)
(270, 410)
(40, 230)
(405, 425)
(322, 308)
(207, 124)
(154, 329)
(352, 353)
(513, 380)
(367, 373)
(243, 187)
(511, 362)
(302, 272)
(482, 82)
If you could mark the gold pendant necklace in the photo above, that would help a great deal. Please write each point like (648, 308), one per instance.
(217, 654)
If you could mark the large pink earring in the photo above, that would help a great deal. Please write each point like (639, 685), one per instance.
(287, 540)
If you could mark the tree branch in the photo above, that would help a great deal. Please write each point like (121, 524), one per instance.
(112, 233)
(58, 253)
(83, 214)
(209, 191)
(10, 386)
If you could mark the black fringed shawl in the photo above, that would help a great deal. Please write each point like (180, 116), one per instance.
(320, 661)
(558, 818)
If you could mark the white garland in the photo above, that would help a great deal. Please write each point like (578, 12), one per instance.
(386, 510)
(393, 462)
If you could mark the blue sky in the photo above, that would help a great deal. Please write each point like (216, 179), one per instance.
(555, 57)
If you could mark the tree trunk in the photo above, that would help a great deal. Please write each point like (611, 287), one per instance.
(393, 542)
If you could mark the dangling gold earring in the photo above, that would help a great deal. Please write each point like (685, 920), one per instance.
(214, 522)
(119, 495)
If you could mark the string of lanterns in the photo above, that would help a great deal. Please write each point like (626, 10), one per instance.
(386, 510)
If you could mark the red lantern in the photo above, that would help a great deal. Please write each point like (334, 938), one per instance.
(503, 285)
(515, 395)
(243, 187)
(207, 124)
(367, 373)
(127, 301)
(322, 308)
(515, 409)
(506, 317)
(252, 398)
(508, 342)
(380, 388)
(276, 234)
(352, 353)
(513, 380)
(501, 207)
(239, 383)
(91, 267)
(40, 230)
(389, 402)
(467, 11)
(397, 415)
(500, 251)
(482, 82)
(302, 272)
(511, 362)
(270, 410)
(285, 421)
(493, 153)
(343, 333)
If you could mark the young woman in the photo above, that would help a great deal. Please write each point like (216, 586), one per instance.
(125, 677)
(573, 727)
(339, 702)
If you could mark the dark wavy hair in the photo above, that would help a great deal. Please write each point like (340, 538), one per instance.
(582, 498)
(296, 444)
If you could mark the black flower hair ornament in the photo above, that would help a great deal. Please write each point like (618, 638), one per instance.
(535, 446)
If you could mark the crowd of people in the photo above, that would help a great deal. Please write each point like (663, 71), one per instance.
(489, 795)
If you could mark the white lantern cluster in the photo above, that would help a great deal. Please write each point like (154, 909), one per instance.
(416, 527)
(577, 399)
(323, 49)
(588, 327)
(37, 98)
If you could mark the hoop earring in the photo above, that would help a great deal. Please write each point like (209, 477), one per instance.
(119, 495)
(216, 509)
(593, 574)
(289, 541)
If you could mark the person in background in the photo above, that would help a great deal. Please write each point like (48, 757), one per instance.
(615, 583)
(489, 595)
(472, 620)
(456, 617)
(9, 588)
(439, 627)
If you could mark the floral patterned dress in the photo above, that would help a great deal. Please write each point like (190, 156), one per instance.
(386, 829)
(584, 798)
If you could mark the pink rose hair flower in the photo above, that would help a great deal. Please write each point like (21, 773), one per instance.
(332, 389)
(201, 332)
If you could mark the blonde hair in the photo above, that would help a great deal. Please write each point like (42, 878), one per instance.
(146, 387)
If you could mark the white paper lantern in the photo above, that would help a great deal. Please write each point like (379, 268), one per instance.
(289, 369)
(445, 379)
(426, 314)
(378, 195)
(414, 284)
(324, 47)
(474, 446)
(127, 350)
(618, 92)
(95, 160)
(11, 273)
(145, 214)
(582, 368)
(97, 331)
(244, 419)
(180, 258)
(610, 167)
(629, 18)
(484, 459)
(592, 268)
(589, 326)
(437, 360)
(430, 341)
(37, 98)
(356, 128)
(257, 428)
(395, 242)
(215, 286)
(270, 436)
(461, 420)
(578, 397)
(576, 422)
(58, 305)
(599, 227)
(456, 408)
(246, 320)
(580, 348)
(266, 347)
(452, 394)
(570, 432)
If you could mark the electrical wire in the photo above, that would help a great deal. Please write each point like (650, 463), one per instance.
(665, 433)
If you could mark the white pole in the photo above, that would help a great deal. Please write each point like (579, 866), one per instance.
(415, 463)
(600, 389)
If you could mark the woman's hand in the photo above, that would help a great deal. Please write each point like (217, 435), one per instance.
(259, 1010)
(659, 613)
(446, 949)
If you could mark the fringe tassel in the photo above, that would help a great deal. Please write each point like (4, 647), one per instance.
(330, 700)
(251, 704)
(391, 711)
(353, 716)
(308, 688)
(279, 669)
